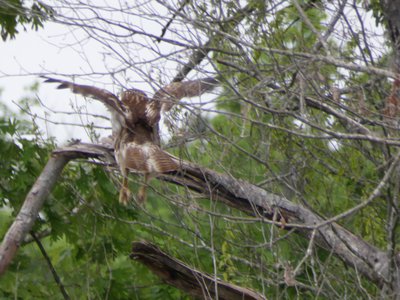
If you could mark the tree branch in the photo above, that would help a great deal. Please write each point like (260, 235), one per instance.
(368, 260)
(335, 62)
(198, 55)
(193, 282)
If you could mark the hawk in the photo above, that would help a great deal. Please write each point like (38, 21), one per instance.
(135, 119)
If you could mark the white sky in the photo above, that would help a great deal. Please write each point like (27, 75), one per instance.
(32, 53)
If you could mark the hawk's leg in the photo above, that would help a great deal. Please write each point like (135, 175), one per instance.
(142, 193)
(124, 193)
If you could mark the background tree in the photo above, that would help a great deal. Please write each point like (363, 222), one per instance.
(294, 191)
(17, 12)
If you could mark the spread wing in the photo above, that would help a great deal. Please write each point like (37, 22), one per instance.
(166, 97)
(107, 98)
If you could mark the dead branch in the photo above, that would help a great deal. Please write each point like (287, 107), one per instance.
(193, 282)
(367, 259)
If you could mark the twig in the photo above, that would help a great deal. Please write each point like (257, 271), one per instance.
(164, 30)
(198, 55)
(333, 61)
(332, 24)
(375, 193)
(307, 21)
(51, 267)
(308, 254)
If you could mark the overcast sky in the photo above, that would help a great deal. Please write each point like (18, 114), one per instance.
(33, 53)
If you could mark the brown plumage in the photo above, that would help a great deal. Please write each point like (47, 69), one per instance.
(134, 121)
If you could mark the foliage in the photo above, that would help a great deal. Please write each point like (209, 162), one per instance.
(15, 12)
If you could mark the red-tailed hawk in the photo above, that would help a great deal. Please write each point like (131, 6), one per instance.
(134, 119)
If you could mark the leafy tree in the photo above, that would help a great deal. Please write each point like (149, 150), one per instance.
(16, 12)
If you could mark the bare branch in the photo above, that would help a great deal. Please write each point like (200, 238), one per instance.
(335, 61)
(307, 21)
(198, 55)
(164, 30)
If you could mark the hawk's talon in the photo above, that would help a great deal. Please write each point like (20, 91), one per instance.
(124, 196)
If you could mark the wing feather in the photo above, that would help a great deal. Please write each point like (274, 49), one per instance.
(175, 91)
(107, 98)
